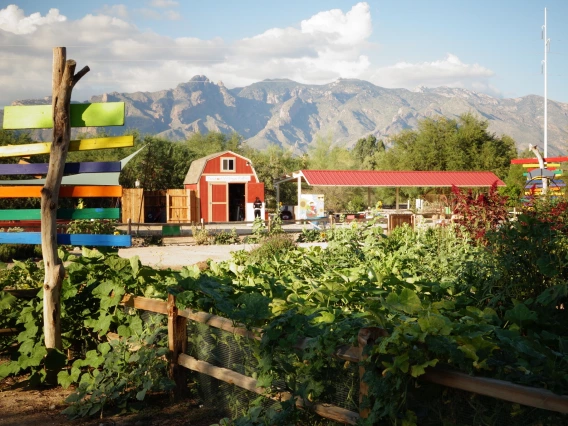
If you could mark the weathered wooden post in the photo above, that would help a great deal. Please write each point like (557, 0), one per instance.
(63, 81)
(177, 343)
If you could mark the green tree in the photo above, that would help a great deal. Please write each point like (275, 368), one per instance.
(447, 144)
(212, 142)
(324, 155)
(366, 152)
(271, 164)
(162, 165)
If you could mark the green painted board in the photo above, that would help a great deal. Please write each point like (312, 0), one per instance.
(82, 115)
(171, 231)
(35, 214)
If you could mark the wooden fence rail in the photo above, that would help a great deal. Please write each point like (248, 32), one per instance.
(177, 338)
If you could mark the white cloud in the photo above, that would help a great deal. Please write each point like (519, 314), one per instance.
(119, 10)
(163, 3)
(350, 28)
(123, 58)
(450, 71)
(172, 15)
(13, 20)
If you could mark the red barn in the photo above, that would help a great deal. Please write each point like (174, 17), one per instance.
(225, 185)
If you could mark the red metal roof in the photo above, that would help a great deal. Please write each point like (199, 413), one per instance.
(399, 178)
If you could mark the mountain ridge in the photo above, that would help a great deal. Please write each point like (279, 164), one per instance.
(290, 114)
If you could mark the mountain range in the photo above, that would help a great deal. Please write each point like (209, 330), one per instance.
(291, 114)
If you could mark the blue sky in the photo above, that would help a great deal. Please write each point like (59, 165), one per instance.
(493, 47)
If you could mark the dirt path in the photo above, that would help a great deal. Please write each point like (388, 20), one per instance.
(176, 256)
(20, 406)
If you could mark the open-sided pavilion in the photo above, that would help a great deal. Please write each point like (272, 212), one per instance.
(392, 179)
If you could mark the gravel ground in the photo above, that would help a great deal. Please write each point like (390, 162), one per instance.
(177, 256)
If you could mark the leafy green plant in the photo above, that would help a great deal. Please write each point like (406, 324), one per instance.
(25, 274)
(119, 372)
(92, 226)
(91, 293)
(273, 245)
(311, 235)
(201, 236)
(259, 231)
(9, 252)
(153, 240)
(276, 226)
(224, 237)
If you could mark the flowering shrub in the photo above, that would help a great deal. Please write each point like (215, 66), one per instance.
(479, 213)
(547, 210)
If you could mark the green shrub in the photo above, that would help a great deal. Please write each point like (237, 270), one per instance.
(225, 238)
(311, 236)
(9, 252)
(23, 275)
(200, 236)
(92, 226)
(272, 245)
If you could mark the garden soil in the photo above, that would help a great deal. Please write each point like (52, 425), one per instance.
(22, 406)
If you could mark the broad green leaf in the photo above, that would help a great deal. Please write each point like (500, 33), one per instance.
(407, 301)
(135, 265)
(325, 317)
(418, 370)
(435, 324)
(521, 315)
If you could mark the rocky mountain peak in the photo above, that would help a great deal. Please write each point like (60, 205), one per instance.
(291, 114)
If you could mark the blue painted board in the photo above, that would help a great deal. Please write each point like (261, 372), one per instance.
(68, 239)
(41, 168)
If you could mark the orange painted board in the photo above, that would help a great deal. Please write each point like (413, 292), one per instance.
(65, 191)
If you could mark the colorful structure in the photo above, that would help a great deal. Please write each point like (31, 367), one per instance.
(535, 175)
(226, 185)
(82, 180)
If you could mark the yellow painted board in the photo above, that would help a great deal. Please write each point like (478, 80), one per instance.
(535, 165)
(81, 115)
(75, 145)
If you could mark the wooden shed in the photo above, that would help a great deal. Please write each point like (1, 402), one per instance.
(226, 185)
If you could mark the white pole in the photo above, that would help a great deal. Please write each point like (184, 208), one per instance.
(546, 46)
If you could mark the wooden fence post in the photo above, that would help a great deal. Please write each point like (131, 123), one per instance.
(366, 337)
(129, 229)
(177, 343)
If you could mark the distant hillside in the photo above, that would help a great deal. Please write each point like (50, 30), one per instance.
(291, 114)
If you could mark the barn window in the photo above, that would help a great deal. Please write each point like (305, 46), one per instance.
(228, 164)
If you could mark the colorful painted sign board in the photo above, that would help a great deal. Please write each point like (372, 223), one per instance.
(533, 161)
(74, 145)
(72, 214)
(65, 191)
(81, 115)
(41, 168)
(68, 239)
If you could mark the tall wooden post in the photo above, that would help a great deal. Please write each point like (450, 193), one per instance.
(177, 343)
(63, 81)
